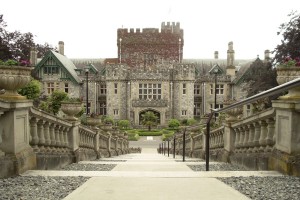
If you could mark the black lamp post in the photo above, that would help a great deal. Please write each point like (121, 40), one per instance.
(87, 90)
(215, 72)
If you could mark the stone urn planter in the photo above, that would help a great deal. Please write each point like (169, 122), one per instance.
(93, 121)
(286, 74)
(106, 127)
(13, 78)
(71, 109)
(232, 114)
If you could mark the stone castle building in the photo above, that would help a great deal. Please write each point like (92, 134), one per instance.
(149, 74)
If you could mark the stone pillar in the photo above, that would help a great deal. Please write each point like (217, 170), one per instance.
(96, 141)
(15, 135)
(287, 131)
(229, 137)
(287, 126)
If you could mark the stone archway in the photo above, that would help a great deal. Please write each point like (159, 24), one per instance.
(151, 110)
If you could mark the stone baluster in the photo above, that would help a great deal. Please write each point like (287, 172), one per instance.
(237, 138)
(33, 132)
(251, 136)
(217, 139)
(215, 136)
(81, 141)
(52, 134)
(84, 139)
(1, 152)
(256, 136)
(246, 138)
(242, 136)
(271, 132)
(88, 135)
(66, 140)
(263, 135)
(40, 129)
(47, 134)
(61, 138)
(57, 140)
(211, 140)
(222, 138)
(91, 140)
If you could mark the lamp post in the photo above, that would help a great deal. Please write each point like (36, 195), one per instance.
(215, 106)
(87, 89)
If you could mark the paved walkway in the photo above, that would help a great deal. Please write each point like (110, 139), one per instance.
(150, 175)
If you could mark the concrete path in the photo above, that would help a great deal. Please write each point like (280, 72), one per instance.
(153, 176)
(150, 175)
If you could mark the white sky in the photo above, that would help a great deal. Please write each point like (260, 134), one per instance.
(89, 28)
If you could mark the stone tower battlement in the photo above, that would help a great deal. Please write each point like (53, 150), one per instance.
(150, 46)
(172, 28)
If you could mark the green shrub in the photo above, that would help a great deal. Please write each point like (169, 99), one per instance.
(133, 137)
(123, 124)
(174, 123)
(150, 133)
(167, 134)
(191, 121)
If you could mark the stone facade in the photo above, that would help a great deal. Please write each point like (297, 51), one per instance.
(148, 75)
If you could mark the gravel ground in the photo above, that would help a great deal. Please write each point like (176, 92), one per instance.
(89, 167)
(218, 167)
(38, 187)
(111, 160)
(270, 188)
(190, 160)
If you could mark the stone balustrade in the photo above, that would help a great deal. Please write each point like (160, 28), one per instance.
(47, 132)
(217, 138)
(34, 139)
(87, 137)
(255, 133)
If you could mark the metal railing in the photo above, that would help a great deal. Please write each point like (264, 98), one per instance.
(276, 90)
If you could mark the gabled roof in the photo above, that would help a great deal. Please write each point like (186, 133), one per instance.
(63, 62)
(216, 69)
(242, 69)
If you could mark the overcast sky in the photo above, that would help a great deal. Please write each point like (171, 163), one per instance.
(89, 28)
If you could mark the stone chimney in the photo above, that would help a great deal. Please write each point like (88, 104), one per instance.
(230, 69)
(61, 47)
(267, 56)
(230, 55)
(33, 56)
(216, 55)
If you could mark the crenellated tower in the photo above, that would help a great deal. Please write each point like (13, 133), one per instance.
(150, 46)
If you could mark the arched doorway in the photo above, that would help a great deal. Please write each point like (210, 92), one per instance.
(151, 110)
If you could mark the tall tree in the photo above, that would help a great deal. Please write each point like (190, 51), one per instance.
(290, 44)
(17, 45)
(5, 54)
(260, 77)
